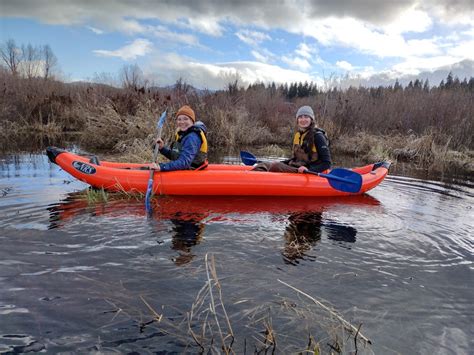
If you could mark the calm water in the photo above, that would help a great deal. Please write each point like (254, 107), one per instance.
(103, 277)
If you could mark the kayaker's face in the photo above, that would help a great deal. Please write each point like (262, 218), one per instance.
(183, 122)
(304, 121)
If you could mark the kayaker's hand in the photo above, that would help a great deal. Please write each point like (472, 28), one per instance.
(160, 143)
(155, 166)
(302, 169)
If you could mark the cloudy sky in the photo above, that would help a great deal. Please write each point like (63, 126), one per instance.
(209, 43)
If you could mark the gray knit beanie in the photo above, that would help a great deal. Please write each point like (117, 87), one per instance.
(305, 110)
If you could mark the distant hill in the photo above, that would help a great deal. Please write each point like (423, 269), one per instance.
(463, 69)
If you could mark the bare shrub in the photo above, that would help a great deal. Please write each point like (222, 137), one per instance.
(415, 123)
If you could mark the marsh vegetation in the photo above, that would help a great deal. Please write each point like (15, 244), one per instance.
(429, 126)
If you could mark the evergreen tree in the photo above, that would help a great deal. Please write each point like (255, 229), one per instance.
(292, 91)
(449, 81)
(426, 86)
(470, 85)
(397, 86)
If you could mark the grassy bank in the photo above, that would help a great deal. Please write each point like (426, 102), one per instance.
(429, 127)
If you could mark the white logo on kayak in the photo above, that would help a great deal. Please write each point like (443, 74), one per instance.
(83, 167)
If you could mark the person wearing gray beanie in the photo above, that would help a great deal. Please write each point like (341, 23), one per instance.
(305, 111)
(310, 148)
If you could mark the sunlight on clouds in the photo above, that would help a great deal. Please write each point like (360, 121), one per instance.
(418, 34)
(351, 33)
(217, 76)
(410, 21)
(137, 48)
(422, 47)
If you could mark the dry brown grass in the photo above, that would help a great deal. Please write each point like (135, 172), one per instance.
(431, 127)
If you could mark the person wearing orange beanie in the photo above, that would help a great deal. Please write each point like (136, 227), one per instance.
(189, 149)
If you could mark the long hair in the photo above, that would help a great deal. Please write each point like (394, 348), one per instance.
(309, 141)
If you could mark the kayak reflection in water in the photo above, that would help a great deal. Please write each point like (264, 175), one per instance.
(306, 229)
(187, 233)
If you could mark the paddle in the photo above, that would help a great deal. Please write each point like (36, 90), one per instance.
(340, 179)
(149, 188)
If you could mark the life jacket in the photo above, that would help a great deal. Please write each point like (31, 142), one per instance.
(200, 160)
(304, 149)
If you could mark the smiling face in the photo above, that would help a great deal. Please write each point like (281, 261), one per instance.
(303, 121)
(183, 122)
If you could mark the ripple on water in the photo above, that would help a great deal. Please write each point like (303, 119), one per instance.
(399, 262)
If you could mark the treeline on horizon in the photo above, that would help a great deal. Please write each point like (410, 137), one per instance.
(429, 125)
(301, 90)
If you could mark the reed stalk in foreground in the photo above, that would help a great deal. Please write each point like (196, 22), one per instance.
(277, 324)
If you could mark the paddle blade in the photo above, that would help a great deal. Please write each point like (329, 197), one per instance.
(148, 195)
(344, 180)
(247, 158)
(162, 120)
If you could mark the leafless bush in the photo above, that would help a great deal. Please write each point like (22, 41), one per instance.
(434, 121)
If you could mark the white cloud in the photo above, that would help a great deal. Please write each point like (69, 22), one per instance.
(207, 25)
(263, 55)
(174, 37)
(461, 70)
(252, 38)
(450, 12)
(411, 20)
(260, 57)
(464, 49)
(137, 48)
(217, 76)
(344, 65)
(304, 50)
(415, 65)
(373, 27)
(296, 62)
(420, 34)
(95, 30)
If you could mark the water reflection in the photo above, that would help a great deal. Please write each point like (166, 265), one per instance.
(187, 217)
(306, 229)
(303, 232)
(187, 233)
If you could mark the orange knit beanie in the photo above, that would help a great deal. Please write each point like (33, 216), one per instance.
(187, 111)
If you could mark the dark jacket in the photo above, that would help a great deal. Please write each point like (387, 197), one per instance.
(190, 145)
(311, 151)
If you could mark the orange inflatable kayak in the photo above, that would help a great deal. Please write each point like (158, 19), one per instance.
(215, 180)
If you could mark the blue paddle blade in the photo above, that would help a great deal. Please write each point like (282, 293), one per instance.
(162, 120)
(148, 195)
(247, 158)
(344, 180)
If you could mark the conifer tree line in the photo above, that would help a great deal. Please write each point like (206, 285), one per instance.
(300, 90)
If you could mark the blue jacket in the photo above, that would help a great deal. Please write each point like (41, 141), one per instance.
(191, 144)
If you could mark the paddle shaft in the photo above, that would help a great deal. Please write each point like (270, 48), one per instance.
(329, 176)
(149, 189)
(350, 181)
(155, 156)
